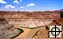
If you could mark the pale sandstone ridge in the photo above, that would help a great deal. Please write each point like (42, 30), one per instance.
(8, 31)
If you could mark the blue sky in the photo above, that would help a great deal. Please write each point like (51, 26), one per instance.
(30, 5)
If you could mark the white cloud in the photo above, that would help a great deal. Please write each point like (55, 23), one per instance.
(16, 1)
(9, 6)
(31, 4)
(22, 7)
(3, 2)
(20, 0)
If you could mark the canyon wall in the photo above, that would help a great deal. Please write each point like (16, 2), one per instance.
(27, 18)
